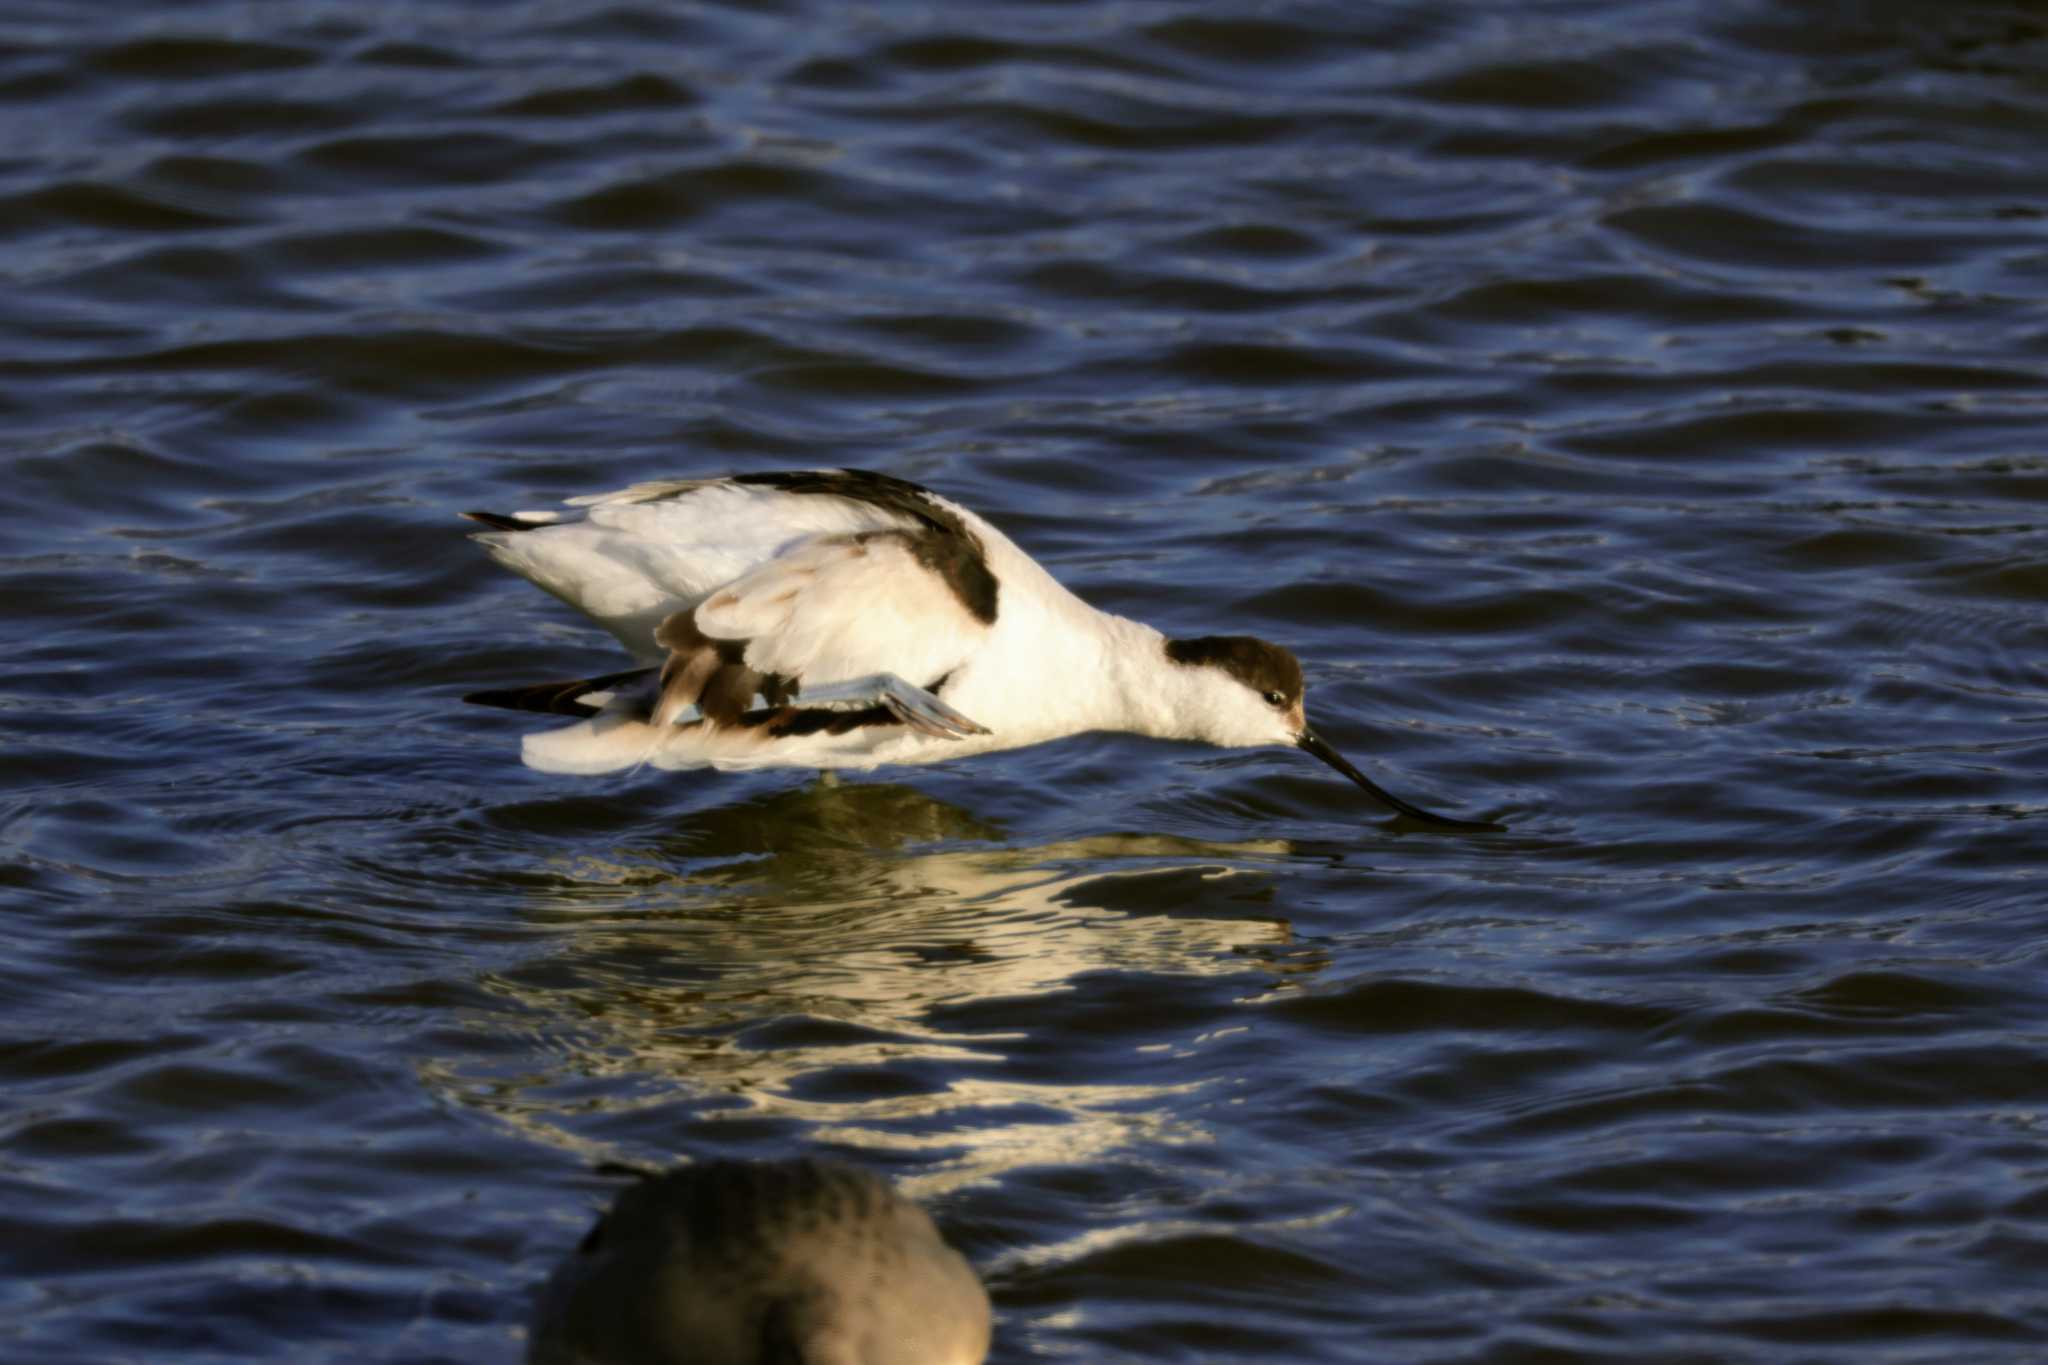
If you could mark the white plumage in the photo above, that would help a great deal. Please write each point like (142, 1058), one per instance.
(844, 619)
(632, 557)
(831, 608)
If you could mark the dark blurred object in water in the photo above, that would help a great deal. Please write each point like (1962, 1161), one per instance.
(769, 1263)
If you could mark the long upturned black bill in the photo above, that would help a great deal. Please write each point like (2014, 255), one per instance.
(1312, 742)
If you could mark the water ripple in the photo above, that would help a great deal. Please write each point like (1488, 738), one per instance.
(1628, 414)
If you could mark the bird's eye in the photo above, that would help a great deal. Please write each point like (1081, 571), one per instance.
(1277, 698)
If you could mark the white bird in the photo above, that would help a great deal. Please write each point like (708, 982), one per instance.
(844, 619)
(761, 1263)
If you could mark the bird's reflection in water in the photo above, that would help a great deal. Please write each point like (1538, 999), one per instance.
(783, 959)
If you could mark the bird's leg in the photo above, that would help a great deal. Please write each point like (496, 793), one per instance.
(923, 712)
(917, 708)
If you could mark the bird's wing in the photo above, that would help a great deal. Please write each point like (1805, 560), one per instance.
(633, 558)
(835, 608)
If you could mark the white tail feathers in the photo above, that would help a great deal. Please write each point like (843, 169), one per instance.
(602, 744)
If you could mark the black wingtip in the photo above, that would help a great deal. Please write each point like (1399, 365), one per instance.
(556, 698)
(498, 521)
(547, 699)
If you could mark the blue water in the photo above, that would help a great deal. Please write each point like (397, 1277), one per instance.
(1631, 413)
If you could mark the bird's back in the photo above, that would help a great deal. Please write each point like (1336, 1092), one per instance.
(632, 558)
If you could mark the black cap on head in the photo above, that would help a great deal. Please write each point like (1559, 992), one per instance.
(1260, 666)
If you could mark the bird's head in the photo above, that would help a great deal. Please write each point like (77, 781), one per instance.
(1244, 691)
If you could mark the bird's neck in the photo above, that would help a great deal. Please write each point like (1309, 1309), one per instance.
(1145, 692)
(1113, 671)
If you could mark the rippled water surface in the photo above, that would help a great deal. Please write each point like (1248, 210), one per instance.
(1633, 413)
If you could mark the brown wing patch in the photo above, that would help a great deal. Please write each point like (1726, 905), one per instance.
(711, 675)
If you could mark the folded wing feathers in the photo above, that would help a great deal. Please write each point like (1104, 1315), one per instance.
(711, 675)
(844, 607)
(749, 590)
